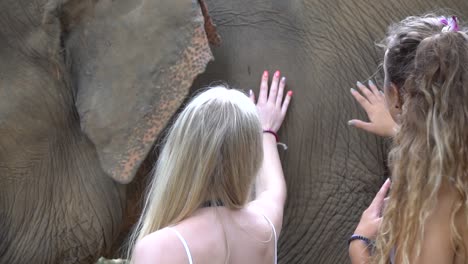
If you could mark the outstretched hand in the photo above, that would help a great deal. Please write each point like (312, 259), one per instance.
(271, 106)
(372, 217)
(381, 122)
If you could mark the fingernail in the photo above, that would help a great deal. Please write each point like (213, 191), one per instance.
(277, 73)
(350, 122)
(353, 90)
(359, 83)
(283, 80)
(290, 93)
(250, 92)
(371, 82)
(265, 74)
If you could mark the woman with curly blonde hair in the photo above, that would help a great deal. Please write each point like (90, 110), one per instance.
(425, 108)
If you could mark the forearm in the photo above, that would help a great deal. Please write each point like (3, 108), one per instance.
(359, 252)
(270, 177)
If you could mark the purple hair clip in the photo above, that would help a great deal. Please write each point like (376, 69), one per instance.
(451, 24)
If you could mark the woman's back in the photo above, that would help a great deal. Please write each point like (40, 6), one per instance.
(221, 147)
(209, 234)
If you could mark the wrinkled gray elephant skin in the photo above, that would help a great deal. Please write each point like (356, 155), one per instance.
(85, 88)
(323, 47)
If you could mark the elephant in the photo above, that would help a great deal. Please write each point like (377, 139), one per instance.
(86, 86)
(92, 84)
(323, 48)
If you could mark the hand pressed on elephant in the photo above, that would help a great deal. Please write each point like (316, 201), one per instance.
(372, 216)
(271, 107)
(374, 103)
(369, 225)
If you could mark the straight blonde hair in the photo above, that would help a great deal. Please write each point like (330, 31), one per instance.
(212, 153)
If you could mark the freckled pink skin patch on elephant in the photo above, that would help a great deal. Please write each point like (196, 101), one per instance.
(86, 88)
(147, 80)
(323, 48)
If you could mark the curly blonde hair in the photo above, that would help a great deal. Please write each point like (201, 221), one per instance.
(429, 67)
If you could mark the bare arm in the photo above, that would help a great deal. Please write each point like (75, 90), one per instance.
(359, 252)
(159, 247)
(270, 187)
(270, 179)
(436, 247)
(368, 227)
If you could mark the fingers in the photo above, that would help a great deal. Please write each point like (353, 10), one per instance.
(379, 94)
(252, 96)
(369, 127)
(285, 106)
(262, 96)
(274, 88)
(275, 95)
(279, 97)
(365, 91)
(384, 205)
(374, 89)
(382, 97)
(361, 99)
(378, 201)
(380, 196)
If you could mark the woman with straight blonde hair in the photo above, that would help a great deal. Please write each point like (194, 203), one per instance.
(197, 208)
(425, 108)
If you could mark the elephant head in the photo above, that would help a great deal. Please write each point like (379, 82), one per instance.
(85, 88)
(323, 47)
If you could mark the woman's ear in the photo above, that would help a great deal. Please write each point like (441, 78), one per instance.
(394, 102)
(394, 97)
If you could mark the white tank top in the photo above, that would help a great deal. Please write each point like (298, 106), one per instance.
(189, 255)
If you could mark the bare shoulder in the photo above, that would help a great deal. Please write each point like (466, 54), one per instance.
(441, 217)
(269, 208)
(162, 246)
(436, 245)
(461, 222)
(254, 215)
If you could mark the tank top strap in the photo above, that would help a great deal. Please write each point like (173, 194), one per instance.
(181, 238)
(276, 239)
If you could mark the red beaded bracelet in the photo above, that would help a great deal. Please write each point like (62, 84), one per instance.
(273, 133)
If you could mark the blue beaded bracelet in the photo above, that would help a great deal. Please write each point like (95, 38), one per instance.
(359, 237)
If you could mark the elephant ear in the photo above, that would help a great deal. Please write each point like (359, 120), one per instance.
(210, 28)
(132, 64)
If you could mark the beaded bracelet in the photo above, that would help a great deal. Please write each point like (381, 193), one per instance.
(359, 237)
